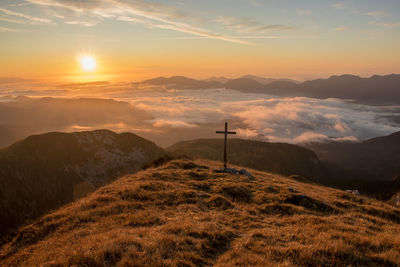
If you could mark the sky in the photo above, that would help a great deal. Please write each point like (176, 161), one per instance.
(138, 39)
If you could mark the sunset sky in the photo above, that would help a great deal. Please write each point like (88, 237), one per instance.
(140, 38)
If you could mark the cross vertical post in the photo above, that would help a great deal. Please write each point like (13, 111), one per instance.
(226, 132)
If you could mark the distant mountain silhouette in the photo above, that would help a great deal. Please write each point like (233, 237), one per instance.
(46, 171)
(245, 85)
(265, 81)
(181, 82)
(374, 90)
(217, 79)
(272, 157)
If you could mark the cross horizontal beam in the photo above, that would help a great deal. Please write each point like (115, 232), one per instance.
(223, 132)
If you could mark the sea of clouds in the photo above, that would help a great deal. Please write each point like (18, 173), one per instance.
(167, 115)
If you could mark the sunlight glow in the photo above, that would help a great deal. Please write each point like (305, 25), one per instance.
(88, 63)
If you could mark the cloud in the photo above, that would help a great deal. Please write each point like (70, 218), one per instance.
(376, 14)
(340, 29)
(340, 5)
(173, 124)
(27, 18)
(311, 137)
(346, 6)
(249, 25)
(155, 15)
(385, 25)
(254, 2)
(247, 133)
(167, 116)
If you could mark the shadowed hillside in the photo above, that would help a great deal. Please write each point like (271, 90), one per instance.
(46, 171)
(184, 214)
(272, 157)
(371, 166)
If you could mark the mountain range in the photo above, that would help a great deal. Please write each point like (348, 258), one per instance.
(375, 90)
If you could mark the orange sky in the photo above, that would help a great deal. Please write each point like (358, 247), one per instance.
(134, 40)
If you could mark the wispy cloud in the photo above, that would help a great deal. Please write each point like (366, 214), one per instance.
(385, 25)
(347, 7)
(254, 2)
(376, 14)
(340, 29)
(28, 19)
(340, 5)
(149, 14)
(249, 25)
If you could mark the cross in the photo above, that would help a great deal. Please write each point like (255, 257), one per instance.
(226, 138)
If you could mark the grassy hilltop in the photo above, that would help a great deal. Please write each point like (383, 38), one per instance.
(184, 214)
(279, 158)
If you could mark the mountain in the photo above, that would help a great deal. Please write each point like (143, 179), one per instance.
(258, 79)
(376, 159)
(245, 85)
(372, 165)
(265, 81)
(180, 82)
(46, 171)
(220, 79)
(184, 214)
(272, 157)
(376, 90)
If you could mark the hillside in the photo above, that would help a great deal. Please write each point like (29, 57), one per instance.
(376, 159)
(43, 172)
(371, 166)
(184, 214)
(279, 158)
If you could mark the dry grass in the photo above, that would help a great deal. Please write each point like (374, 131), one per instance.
(183, 214)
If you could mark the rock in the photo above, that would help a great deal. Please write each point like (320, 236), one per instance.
(291, 189)
(234, 171)
(354, 192)
(244, 172)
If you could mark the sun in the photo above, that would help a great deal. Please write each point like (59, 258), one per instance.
(88, 63)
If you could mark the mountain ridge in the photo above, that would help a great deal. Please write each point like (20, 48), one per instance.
(375, 90)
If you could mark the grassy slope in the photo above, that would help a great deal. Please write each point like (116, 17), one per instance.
(183, 214)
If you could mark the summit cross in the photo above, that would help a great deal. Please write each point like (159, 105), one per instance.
(226, 132)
